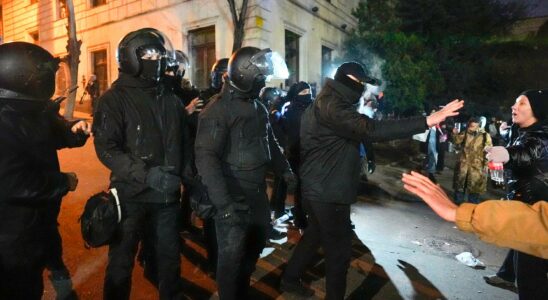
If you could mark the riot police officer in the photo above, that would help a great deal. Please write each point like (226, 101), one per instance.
(31, 183)
(140, 135)
(234, 144)
(218, 70)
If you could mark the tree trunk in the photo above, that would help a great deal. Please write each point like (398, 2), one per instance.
(239, 23)
(72, 59)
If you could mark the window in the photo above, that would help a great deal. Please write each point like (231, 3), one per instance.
(292, 56)
(35, 37)
(326, 62)
(202, 47)
(63, 10)
(99, 67)
(95, 3)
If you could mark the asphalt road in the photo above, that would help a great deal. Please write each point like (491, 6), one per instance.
(401, 250)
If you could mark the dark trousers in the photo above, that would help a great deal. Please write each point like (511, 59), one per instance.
(531, 276)
(240, 243)
(210, 236)
(529, 272)
(441, 158)
(506, 270)
(21, 267)
(164, 218)
(279, 193)
(329, 227)
(54, 248)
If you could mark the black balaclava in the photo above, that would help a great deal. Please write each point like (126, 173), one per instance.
(355, 69)
(295, 89)
(152, 70)
(538, 99)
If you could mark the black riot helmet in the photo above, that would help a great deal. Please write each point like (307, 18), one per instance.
(179, 65)
(269, 95)
(217, 71)
(27, 72)
(145, 53)
(249, 68)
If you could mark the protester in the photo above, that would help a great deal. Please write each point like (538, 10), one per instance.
(270, 98)
(527, 158)
(147, 158)
(470, 171)
(511, 224)
(299, 98)
(432, 148)
(493, 131)
(234, 145)
(93, 90)
(31, 183)
(331, 130)
(442, 147)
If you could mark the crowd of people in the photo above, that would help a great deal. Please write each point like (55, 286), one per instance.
(171, 147)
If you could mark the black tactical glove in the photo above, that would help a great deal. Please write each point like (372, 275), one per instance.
(371, 166)
(161, 178)
(291, 181)
(237, 213)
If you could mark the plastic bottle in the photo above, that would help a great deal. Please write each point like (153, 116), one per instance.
(497, 172)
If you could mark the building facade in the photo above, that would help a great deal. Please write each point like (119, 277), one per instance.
(310, 33)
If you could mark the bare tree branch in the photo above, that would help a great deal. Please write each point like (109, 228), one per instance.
(72, 59)
(239, 22)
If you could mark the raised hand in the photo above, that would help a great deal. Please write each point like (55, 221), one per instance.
(450, 110)
(430, 193)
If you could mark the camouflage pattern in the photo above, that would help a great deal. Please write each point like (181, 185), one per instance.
(471, 166)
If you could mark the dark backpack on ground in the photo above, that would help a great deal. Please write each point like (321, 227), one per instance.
(100, 219)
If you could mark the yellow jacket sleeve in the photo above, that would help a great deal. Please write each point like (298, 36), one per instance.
(511, 224)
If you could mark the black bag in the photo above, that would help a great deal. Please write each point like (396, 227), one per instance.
(100, 218)
(199, 199)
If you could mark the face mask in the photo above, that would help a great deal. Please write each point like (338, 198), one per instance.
(151, 70)
(304, 98)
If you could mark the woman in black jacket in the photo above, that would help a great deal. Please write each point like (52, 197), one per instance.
(527, 158)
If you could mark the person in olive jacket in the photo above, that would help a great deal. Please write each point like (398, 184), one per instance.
(331, 131)
(31, 182)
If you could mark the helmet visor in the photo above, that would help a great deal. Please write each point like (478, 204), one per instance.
(271, 64)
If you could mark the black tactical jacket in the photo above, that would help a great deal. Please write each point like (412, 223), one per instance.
(331, 131)
(138, 126)
(30, 178)
(234, 135)
(529, 163)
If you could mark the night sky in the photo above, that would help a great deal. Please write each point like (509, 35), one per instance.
(536, 8)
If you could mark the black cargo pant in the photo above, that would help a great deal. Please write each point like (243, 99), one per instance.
(164, 218)
(240, 242)
(22, 262)
(329, 227)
